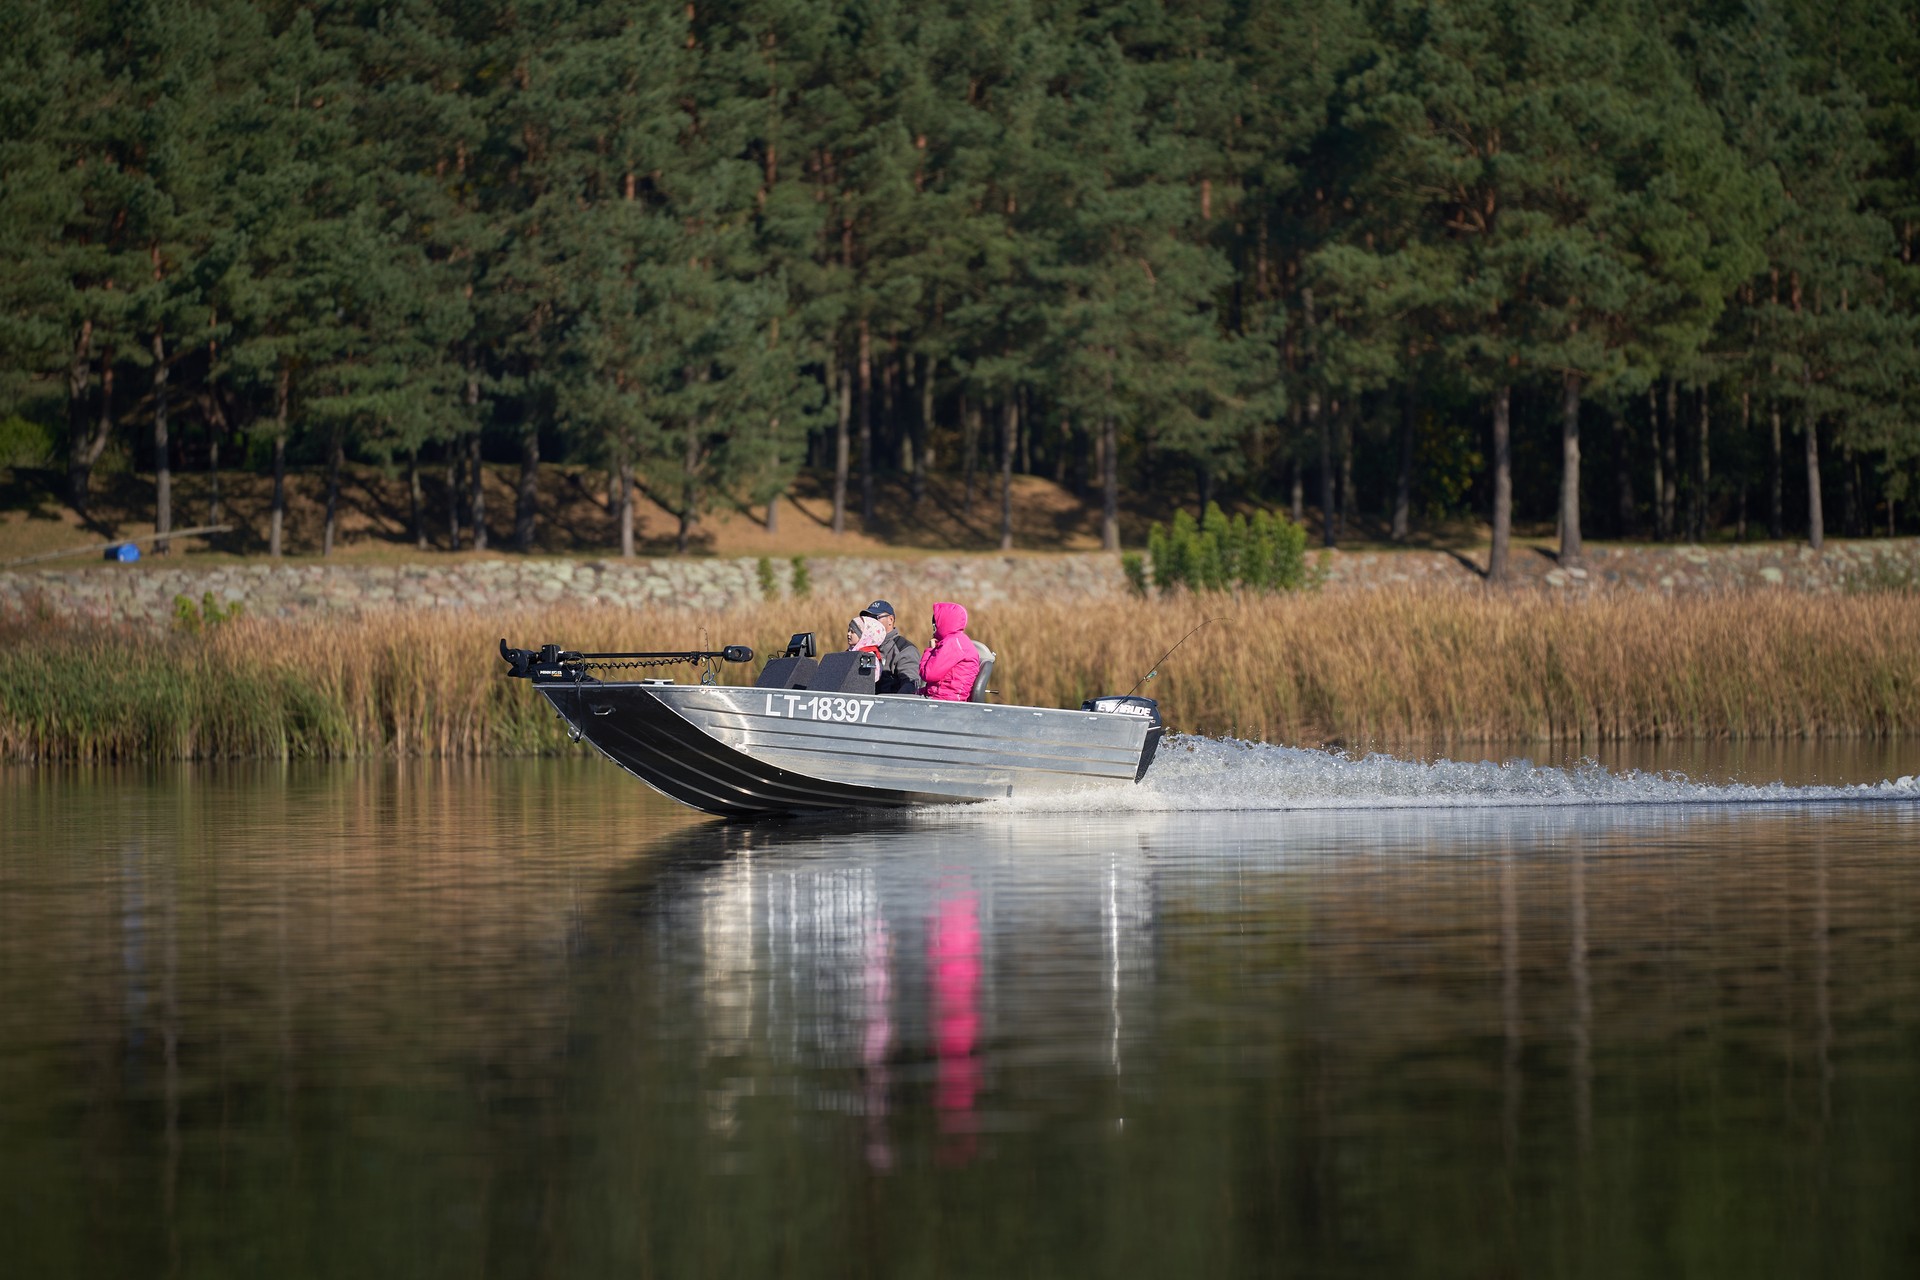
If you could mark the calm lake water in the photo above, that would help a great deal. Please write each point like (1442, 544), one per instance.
(1276, 1013)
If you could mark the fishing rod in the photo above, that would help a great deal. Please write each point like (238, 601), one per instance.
(1154, 670)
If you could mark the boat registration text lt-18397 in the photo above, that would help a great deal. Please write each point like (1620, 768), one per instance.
(821, 707)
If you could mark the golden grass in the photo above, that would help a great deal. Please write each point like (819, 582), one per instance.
(1436, 667)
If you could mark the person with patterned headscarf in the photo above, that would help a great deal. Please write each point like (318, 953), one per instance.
(866, 635)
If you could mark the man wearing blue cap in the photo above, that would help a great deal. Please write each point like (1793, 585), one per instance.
(899, 657)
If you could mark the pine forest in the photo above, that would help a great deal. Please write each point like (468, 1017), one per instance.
(1612, 268)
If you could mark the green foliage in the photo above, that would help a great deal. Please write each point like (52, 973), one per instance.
(24, 443)
(684, 239)
(194, 618)
(769, 585)
(1135, 568)
(1264, 554)
(801, 583)
(1447, 460)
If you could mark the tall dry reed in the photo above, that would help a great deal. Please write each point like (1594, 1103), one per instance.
(1354, 667)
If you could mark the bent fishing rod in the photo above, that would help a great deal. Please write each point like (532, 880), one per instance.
(1154, 670)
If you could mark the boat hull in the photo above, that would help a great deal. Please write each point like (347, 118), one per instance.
(751, 752)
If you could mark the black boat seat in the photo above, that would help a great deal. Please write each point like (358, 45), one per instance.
(845, 673)
(980, 689)
(787, 673)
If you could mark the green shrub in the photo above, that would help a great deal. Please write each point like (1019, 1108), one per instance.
(802, 584)
(769, 585)
(1266, 553)
(1135, 568)
(193, 618)
(24, 443)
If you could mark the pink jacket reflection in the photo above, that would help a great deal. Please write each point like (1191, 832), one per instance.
(953, 953)
(948, 668)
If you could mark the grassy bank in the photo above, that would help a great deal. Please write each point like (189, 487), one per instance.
(1353, 667)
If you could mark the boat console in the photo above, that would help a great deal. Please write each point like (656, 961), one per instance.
(835, 673)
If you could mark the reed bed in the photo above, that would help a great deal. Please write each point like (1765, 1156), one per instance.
(1359, 667)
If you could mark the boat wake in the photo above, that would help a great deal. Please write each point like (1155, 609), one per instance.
(1206, 775)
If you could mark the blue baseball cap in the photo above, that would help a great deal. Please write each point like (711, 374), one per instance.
(878, 609)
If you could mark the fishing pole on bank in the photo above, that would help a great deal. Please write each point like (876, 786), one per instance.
(1154, 670)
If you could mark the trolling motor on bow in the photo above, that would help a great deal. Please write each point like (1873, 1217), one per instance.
(551, 662)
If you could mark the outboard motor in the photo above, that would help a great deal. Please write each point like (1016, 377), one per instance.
(1125, 704)
(1122, 704)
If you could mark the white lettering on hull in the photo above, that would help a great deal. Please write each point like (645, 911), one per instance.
(820, 706)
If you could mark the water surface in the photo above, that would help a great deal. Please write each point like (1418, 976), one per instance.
(1280, 1013)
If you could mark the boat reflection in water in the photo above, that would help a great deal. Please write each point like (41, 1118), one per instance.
(871, 970)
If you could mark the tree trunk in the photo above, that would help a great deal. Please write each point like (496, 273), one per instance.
(1570, 547)
(1026, 435)
(1403, 482)
(689, 491)
(1349, 431)
(1659, 473)
(922, 432)
(866, 425)
(1323, 429)
(1776, 473)
(896, 371)
(526, 507)
(1109, 470)
(416, 500)
(773, 512)
(1816, 531)
(102, 431)
(1849, 494)
(454, 457)
(1670, 448)
(336, 451)
(213, 468)
(1703, 472)
(1625, 514)
(477, 499)
(842, 377)
(1009, 429)
(282, 389)
(626, 506)
(79, 418)
(1502, 485)
(969, 449)
(162, 450)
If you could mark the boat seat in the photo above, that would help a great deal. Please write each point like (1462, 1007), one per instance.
(845, 673)
(980, 689)
(786, 673)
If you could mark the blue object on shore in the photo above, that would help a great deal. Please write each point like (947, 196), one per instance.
(124, 552)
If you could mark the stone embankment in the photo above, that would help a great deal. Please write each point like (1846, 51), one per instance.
(145, 593)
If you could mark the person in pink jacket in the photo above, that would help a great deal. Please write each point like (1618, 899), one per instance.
(948, 667)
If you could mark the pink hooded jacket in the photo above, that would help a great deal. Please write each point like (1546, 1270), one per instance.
(949, 667)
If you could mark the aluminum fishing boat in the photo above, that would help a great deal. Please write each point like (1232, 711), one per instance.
(811, 735)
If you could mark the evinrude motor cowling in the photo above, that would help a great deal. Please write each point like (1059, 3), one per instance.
(1121, 704)
(1126, 704)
